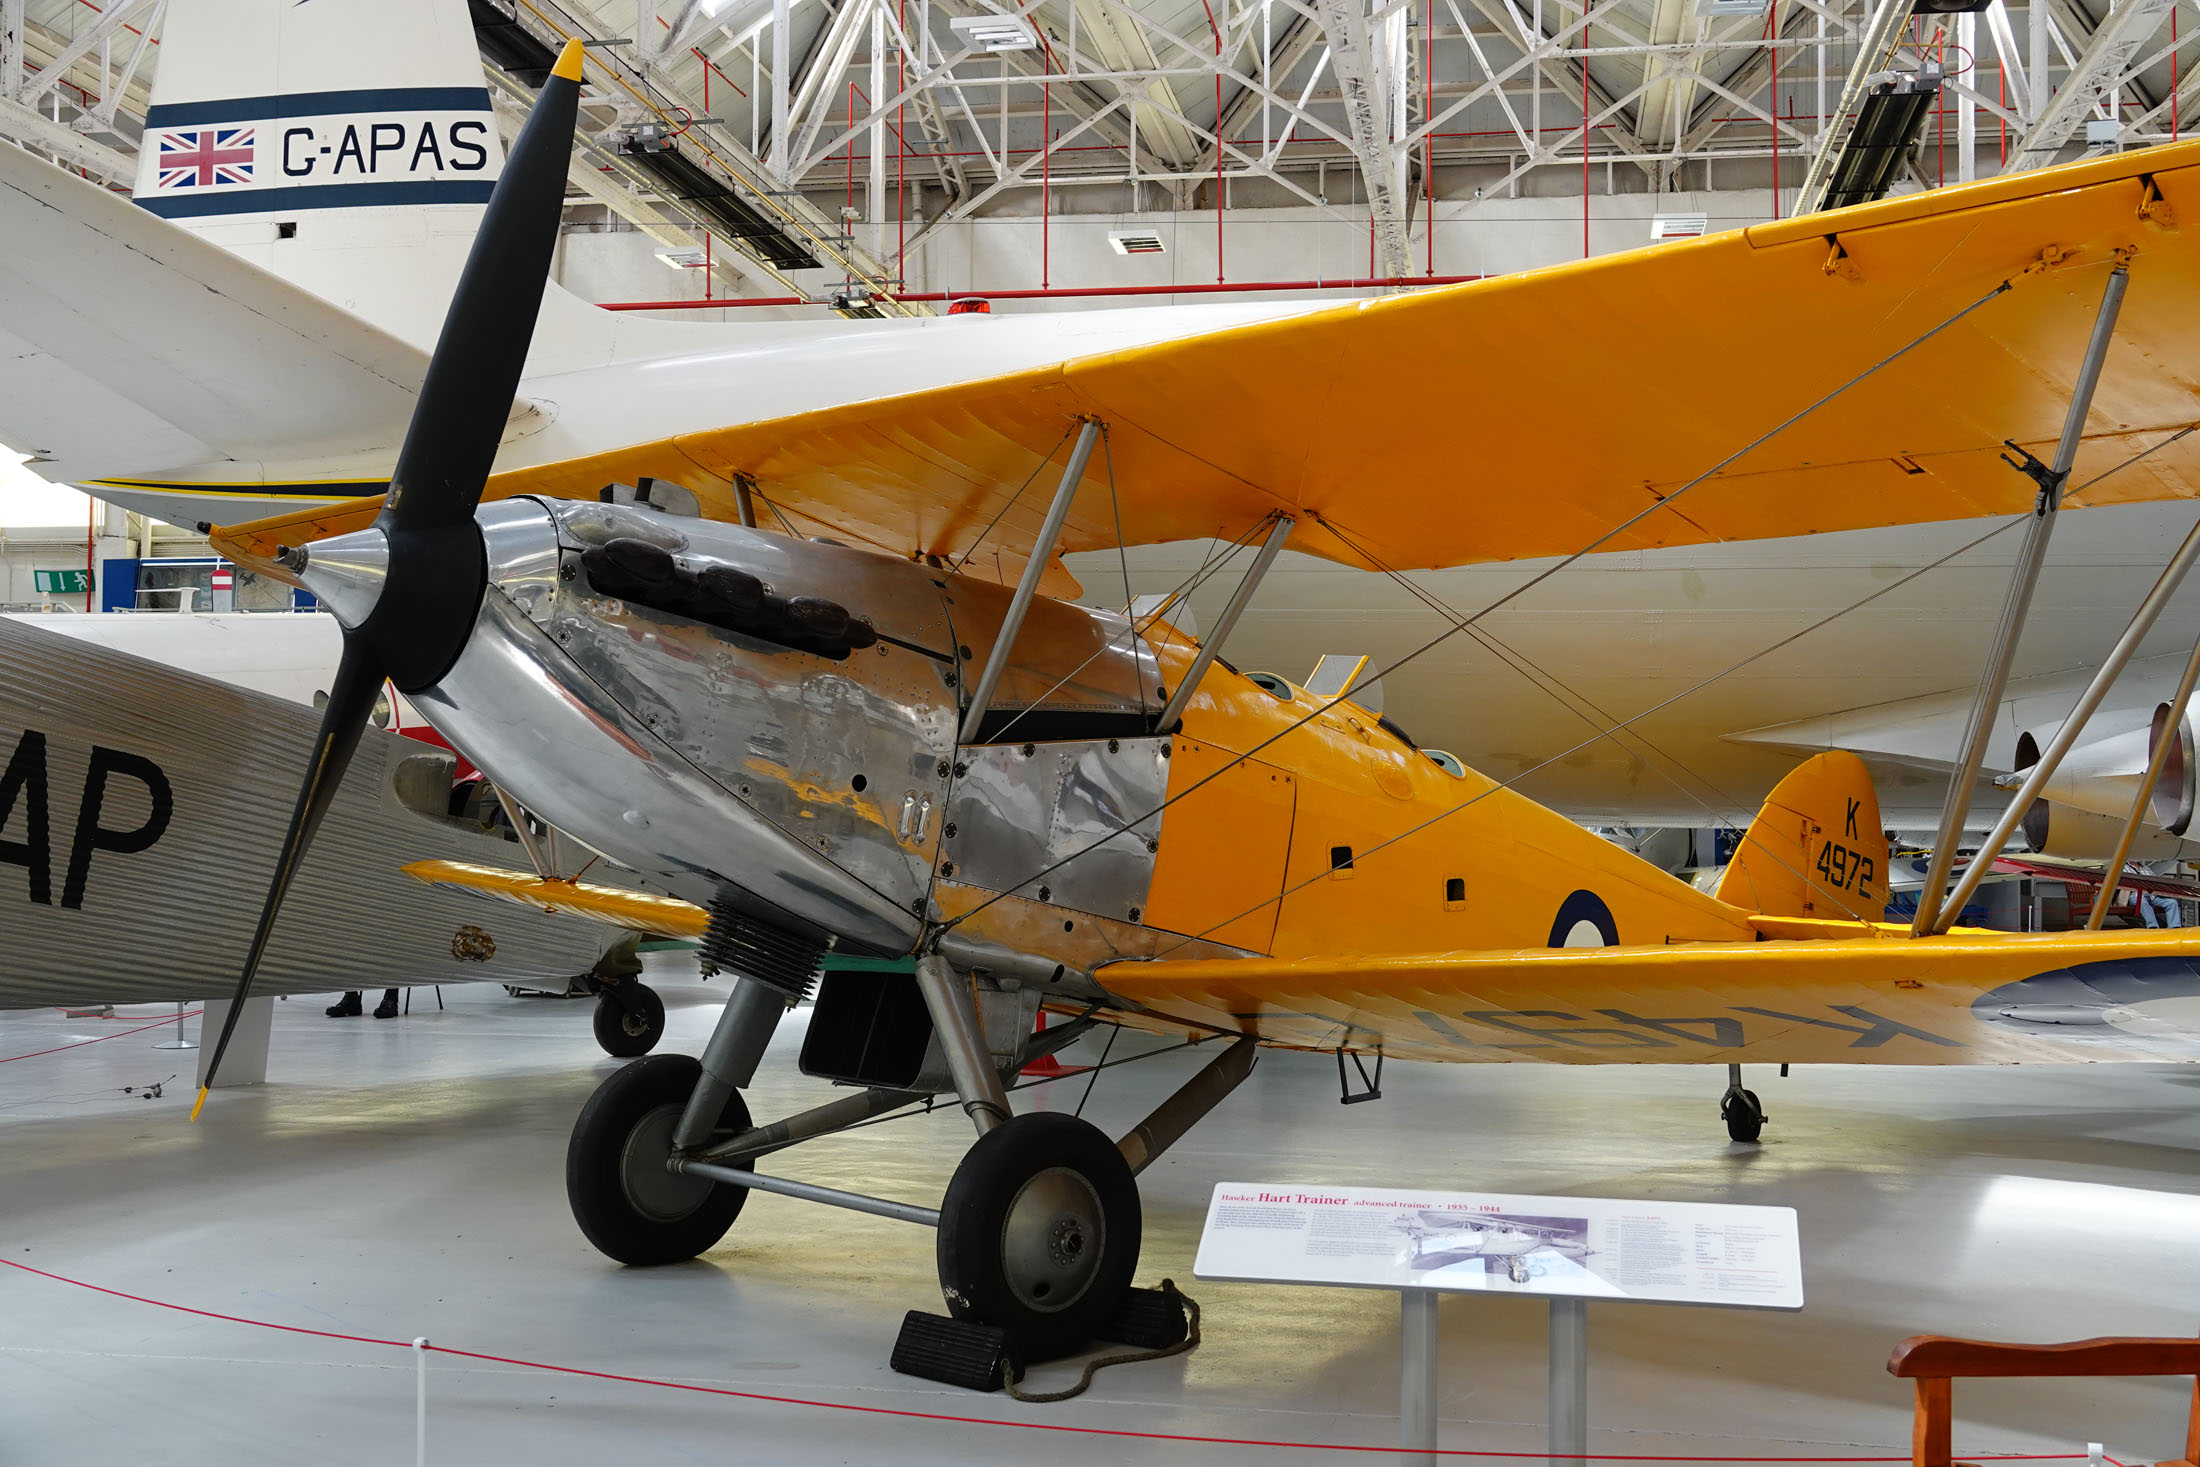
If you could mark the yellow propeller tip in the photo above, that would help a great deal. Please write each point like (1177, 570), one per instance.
(569, 62)
(199, 1102)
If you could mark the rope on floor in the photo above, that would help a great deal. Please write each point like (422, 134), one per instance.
(1128, 1357)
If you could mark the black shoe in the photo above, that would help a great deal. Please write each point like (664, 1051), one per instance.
(346, 1007)
(387, 1008)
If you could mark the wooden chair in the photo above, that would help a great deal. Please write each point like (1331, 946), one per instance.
(1936, 1362)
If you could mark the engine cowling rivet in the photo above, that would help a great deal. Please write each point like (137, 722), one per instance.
(949, 833)
(945, 769)
(947, 868)
(1135, 911)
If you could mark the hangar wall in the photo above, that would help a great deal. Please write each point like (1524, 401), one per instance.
(615, 262)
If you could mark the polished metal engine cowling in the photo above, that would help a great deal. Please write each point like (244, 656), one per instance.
(709, 758)
(659, 688)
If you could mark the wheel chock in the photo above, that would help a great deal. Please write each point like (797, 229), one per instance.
(954, 1352)
(1149, 1319)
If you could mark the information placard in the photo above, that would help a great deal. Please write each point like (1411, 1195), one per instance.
(1562, 1247)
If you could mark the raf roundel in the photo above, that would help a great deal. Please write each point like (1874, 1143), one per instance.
(1584, 921)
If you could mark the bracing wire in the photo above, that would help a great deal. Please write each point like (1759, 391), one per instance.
(1659, 706)
(1541, 576)
(1036, 470)
(1199, 577)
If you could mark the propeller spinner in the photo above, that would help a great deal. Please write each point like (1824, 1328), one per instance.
(407, 590)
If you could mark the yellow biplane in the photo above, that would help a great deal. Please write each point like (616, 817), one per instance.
(840, 741)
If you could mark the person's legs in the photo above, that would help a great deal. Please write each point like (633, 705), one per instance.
(387, 1008)
(346, 1007)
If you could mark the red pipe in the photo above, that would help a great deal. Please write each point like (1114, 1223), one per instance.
(1587, 127)
(1059, 291)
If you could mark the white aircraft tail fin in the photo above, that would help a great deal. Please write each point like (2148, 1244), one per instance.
(345, 145)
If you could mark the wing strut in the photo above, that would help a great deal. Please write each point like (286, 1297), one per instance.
(2025, 575)
(2142, 622)
(1042, 551)
(2171, 738)
(1211, 645)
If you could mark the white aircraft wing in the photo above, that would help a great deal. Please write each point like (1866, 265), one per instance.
(133, 345)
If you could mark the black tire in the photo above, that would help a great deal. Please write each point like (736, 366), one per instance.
(625, 1202)
(1017, 1244)
(625, 1035)
(1743, 1114)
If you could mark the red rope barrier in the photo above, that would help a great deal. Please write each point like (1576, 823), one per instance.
(1112, 1431)
(102, 1039)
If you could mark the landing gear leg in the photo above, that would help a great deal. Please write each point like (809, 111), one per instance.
(618, 1169)
(1743, 1113)
(1040, 1227)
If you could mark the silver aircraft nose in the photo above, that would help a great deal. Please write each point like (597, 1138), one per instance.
(347, 572)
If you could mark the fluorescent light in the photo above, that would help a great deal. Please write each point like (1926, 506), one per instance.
(995, 33)
(1136, 242)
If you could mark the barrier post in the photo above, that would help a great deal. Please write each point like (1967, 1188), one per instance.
(420, 1402)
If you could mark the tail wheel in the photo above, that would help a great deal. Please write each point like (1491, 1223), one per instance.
(625, 1201)
(1039, 1233)
(632, 1028)
(1744, 1115)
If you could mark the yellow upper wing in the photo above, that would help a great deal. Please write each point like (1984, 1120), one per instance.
(1969, 999)
(1530, 414)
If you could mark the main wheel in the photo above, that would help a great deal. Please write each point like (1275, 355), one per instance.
(1743, 1114)
(624, 1034)
(625, 1201)
(1039, 1233)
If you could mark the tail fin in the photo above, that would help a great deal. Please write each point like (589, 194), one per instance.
(345, 145)
(1816, 849)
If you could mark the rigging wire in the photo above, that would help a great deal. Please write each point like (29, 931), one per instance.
(1706, 682)
(1004, 509)
(1184, 588)
(1603, 721)
(1606, 537)
(1692, 688)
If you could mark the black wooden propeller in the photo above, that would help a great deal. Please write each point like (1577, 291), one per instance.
(428, 572)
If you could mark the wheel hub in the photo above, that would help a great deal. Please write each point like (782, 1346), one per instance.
(652, 1191)
(1053, 1239)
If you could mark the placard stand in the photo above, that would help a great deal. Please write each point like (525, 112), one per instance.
(1419, 1243)
(1568, 1406)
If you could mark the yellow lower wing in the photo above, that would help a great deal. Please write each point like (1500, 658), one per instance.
(1861, 994)
(1960, 999)
(636, 910)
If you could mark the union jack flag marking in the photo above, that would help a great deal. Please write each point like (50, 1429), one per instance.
(206, 157)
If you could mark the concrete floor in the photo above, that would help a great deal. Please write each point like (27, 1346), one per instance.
(405, 1178)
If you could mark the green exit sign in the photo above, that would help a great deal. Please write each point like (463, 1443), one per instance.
(64, 582)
